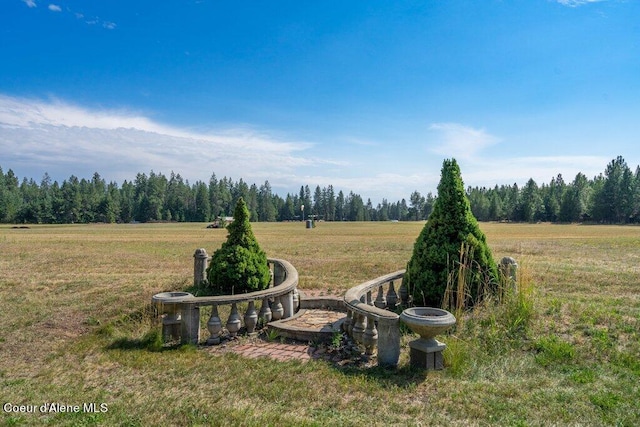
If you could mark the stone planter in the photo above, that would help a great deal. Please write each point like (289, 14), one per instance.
(426, 351)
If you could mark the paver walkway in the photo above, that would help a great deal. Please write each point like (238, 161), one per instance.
(281, 351)
(273, 350)
(318, 319)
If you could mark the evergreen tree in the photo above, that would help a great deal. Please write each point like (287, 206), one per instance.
(331, 204)
(573, 207)
(438, 246)
(417, 205)
(340, 206)
(531, 202)
(266, 207)
(612, 200)
(495, 206)
(288, 210)
(215, 201)
(239, 265)
(202, 202)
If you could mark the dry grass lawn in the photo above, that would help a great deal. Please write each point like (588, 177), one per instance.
(68, 293)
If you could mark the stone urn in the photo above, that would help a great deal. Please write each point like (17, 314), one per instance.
(166, 303)
(426, 351)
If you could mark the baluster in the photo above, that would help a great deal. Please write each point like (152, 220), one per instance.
(370, 336)
(381, 301)
(346, 325)
(214, 325)
(358, 327)
(251, 318)
(392, 297)
(404, 295)
(234, 322)
(296, 300)
(265, 312)
(277, 310)
(287, 305)
(369, 301)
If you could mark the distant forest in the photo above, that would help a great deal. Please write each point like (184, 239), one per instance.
(611, 197)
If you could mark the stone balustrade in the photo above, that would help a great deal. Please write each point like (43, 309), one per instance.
(373, 322)
(279, 301)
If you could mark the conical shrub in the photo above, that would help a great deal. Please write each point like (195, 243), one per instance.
(437, 248)
(239, 265)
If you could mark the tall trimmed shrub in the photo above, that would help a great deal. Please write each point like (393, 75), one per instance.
(240, 265)
(437, 248)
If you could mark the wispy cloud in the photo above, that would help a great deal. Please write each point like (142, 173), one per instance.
(541, 168)
(576, 3)
(62, 138)
(460, 141)
(108, 25)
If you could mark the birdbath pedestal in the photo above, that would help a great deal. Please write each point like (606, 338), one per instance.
(426, 351)
(167, 304)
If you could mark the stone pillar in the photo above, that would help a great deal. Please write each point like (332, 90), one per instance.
(509, 271)
(426, 355)
(200, 258)
(388, 342)
(190, 325)
(171, 326)
(287, 305)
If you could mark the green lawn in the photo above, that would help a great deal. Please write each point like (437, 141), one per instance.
(70, 294)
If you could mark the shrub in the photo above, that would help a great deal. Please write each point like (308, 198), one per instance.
(239, 265)
(438, 246)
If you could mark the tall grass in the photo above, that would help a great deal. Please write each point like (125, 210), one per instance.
(500, 319)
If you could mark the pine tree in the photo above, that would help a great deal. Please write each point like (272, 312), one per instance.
(239, 265)
(450, 224)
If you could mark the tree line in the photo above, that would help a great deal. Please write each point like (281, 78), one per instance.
(611, 197)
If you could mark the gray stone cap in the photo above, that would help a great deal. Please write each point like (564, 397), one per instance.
(353, 295)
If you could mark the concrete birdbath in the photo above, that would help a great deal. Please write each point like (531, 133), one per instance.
(167, 303)
(426, 351)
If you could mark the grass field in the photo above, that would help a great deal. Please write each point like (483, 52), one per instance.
(68, 294)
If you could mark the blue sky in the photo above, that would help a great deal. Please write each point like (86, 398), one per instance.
(366, 96)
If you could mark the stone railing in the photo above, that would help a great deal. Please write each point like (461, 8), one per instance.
(372, 323)
(182, 320)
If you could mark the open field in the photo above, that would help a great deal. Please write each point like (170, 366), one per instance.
(68, 293)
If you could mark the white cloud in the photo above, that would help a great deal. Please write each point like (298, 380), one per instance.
(109, 25)
(64, 139)
(30, 3)
(491, 171)
(576, 3)
(460, 141)
(55, 8)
